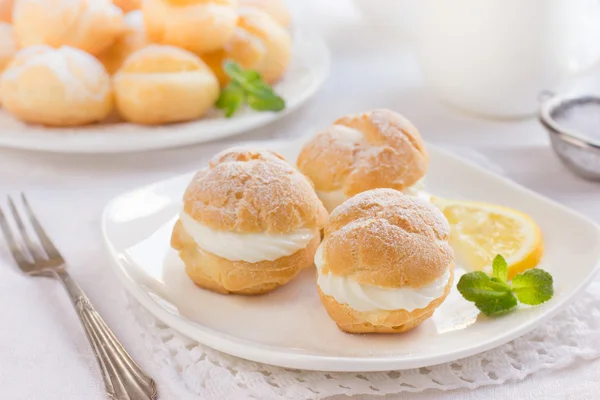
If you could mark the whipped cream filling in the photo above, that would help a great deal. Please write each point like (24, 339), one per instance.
(363, 297)
(248, 247)
(333, 198)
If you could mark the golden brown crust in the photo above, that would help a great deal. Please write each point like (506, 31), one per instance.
(390, 154)
(382, 321)
(259, 43)
(89, 25)
(224, 276)
(385, 238)
(200, 26)
(161, 84)
(246, 190)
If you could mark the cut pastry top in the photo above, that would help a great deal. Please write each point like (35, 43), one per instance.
(385, 238)
(372, 150)
(253, 190)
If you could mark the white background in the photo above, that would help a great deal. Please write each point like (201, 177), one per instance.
(43, 351)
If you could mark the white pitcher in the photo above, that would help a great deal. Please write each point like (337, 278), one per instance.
(494, 57)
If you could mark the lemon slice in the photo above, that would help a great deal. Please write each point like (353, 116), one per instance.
(480, 231)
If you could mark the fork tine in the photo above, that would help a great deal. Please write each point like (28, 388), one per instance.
(29, 244)
(12, 244)
(51, 250)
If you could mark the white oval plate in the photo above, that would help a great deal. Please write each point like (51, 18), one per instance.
(290, 328)
(308, 71)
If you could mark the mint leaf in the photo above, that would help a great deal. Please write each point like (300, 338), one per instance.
(490, 295)
(235, 71)
(478, 287)
(230, 99)
(270, 103)
(247, 85)
(498, 306)
(533, 287)
(500, 268)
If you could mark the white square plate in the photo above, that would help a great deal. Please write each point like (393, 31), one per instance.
(290, 328)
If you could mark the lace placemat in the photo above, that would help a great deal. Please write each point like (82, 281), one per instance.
(209, 374)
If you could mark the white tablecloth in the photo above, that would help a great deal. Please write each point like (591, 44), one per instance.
(43, 351)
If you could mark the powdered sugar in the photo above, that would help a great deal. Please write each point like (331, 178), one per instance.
(361, 152)
(414, 214)
(253, 190)
(81, 74)
(387, 238)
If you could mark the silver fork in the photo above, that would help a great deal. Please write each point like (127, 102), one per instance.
(123, 378)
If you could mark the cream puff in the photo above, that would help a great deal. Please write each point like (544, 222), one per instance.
(250, 222)
(133, 39)
(384, 264)
(128, 5)
(8, 45)
(6, 7)
(376, 149)
(56, 87)
(275, 8)
(89, 25)
(161, 84)
(200, 26)
(259, 43)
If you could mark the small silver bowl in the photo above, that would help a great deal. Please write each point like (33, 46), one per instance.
(581, 154)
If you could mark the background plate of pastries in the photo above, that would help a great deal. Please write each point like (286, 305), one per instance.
(330, 253)
(92, 76)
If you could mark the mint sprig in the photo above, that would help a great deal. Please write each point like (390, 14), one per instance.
(247, 86)
(533, 286)
(494, 295)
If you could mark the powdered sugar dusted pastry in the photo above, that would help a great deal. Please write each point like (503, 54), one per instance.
(384, 264)
(8, 45)
(250, 223)
(197, 25)
(134, 38)
(376, 149)
(275, 8)
(6, 7)
(160, 84)
(56, 87)
(90, 25)
(128, 5)
(259, 43)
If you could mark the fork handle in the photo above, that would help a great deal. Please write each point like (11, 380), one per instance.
(123, 378)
